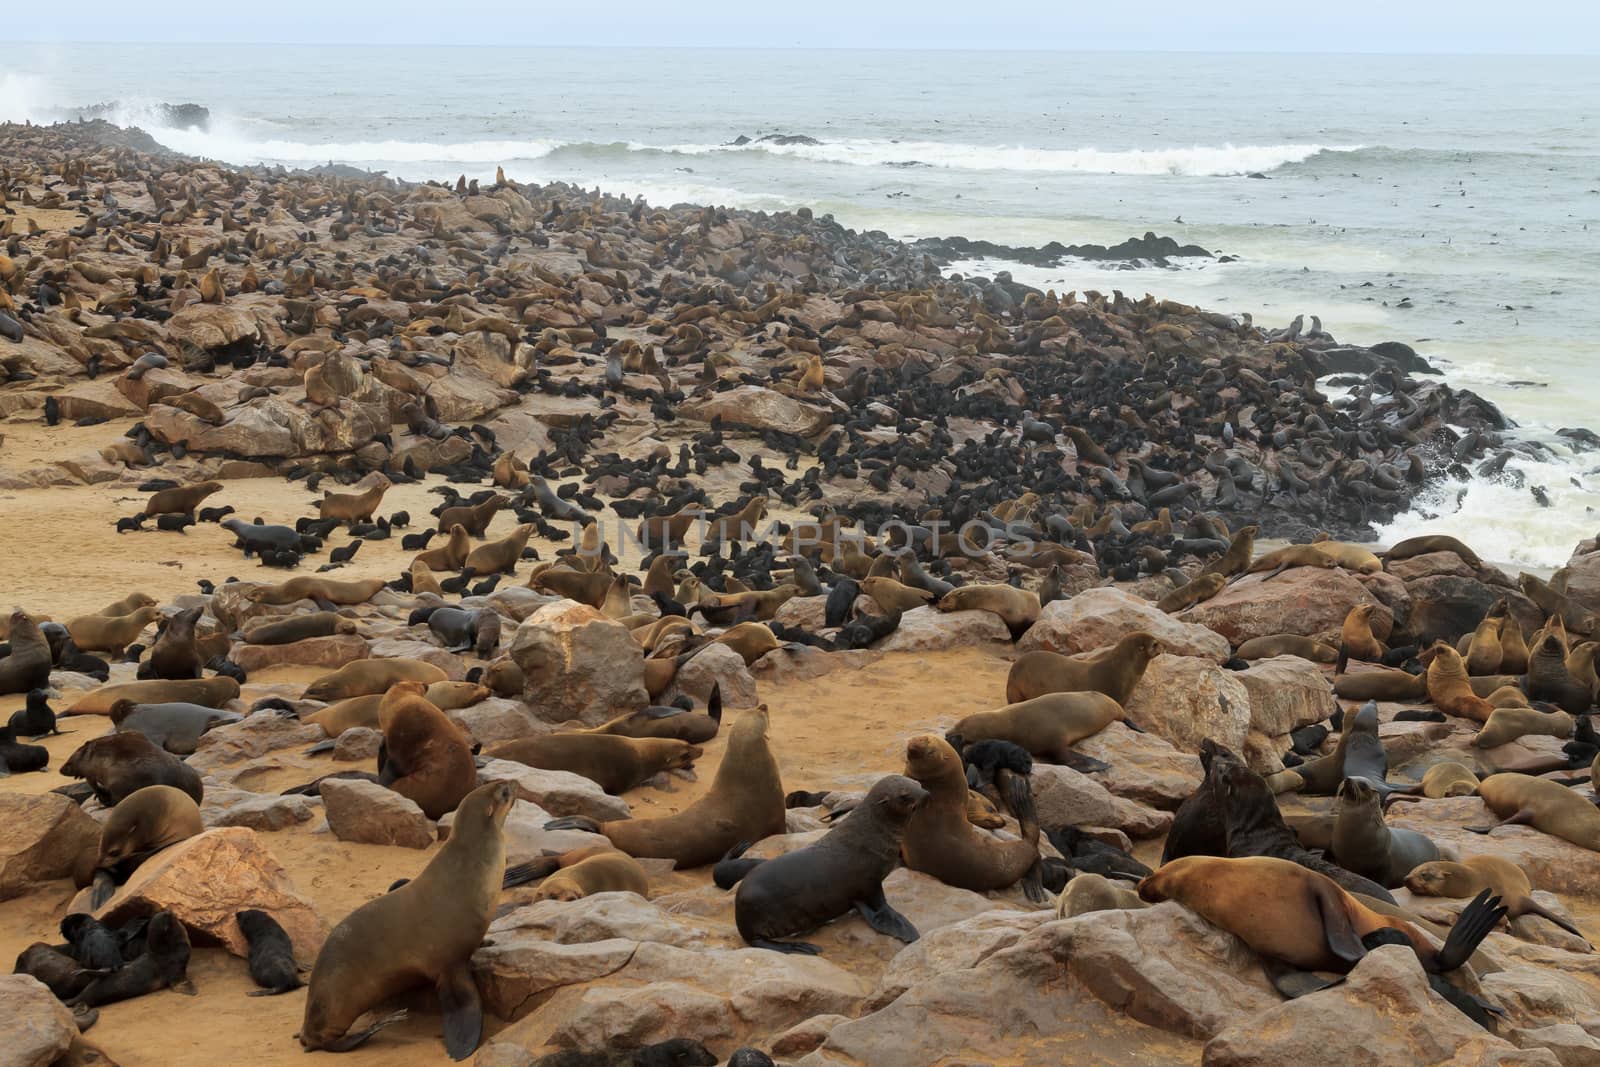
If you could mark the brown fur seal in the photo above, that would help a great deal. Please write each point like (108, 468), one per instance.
(694, 727)
(1483, 649)
(891, 596)
(1191, 593)
(449, 556)
(422, 579)
(364, 676)
(130, 603)
(423, 932)
(299, 628)
(799, 891)
(1473, 875)
(144, 823)
(1114, 670)
(1421, 546)
(353, 507)
(583, 873)
(1287, 645)
(425, 757)
(1551, 601)
(175, 654)
(1513, 647)
(585, 587)
(617, 763)
(725, 609)
(745, 803)
(751, 640)
(1522, 800)
(1365, 844)
(505, 678)
(1356, 639)
(474, 518)
(1449, 688)
(1047, 726)
(119, 765)
(212, 692)
(1236, 560)
(1506, 724)
(1092, 892)
(1281, 559)
(28, 666)
(939, 840)
(182, 500)
(494, 557)
(1381, 684)
(352, 712)
(319, 589)
(1017, 608)
(1448, 780)
(1297, 916)
(100, 633)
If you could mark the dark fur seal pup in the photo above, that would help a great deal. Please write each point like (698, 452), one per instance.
(1303, 919)
(164, 964)
(799, 891)
(36, 720)
(118, 765)
(424, 931)
(28, 666)
(272, 963)
(674, 1052)
(16, 758)
(863, 630)
(841, 599)
(63, 975)
(93, 944)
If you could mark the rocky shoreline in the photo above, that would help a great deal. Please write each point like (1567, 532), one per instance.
(581, 467)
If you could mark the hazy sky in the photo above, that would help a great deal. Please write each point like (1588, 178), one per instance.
(1407, 26)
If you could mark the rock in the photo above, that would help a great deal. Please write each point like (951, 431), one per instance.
(497, 719)
(1579, 579)
(1100, 617)
(785, 665)
(1310, 601)
(526, 837)
(255, 811)
(1286, 693)
(1384, 1013)
(1429, 564)
(805, 1035)
(357, 743)
(1187, 700)
(954, 947)
(760, 409)
(40, 1029)
(810, 613)
(517, 602)
(608, 916)
(1551, 863)
(98, 399)
(718, 664)
(558, 792)
(1064, 797)
(329, 653)
(454, 667)
(927, 629)
(252, 737)
(1392, 592)
(1144, 768)
(517, 974)
(208, 326)
(1572, 1045)
(579, 664)
(207, 880)
(372, 814)
(1445, 606)
(41, 837)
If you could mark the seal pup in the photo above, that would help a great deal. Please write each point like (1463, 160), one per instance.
(1087, 893)
(271, 955)
(1471, 876)
(424, 931)
(164, 964)
(20, 758)
(744, 803)
(939, 840)
(1364, 843)
(799, 891)
(37, 719)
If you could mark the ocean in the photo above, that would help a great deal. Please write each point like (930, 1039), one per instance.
(1452, 203)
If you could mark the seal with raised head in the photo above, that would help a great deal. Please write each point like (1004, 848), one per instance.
(1203, 587)
(354, 507)
(175, 654)
(1449, 688)
(744, 803)
(1365, 844)
(939, 840)
(424, 757)
(182, 500)
(28, 666)
(615, 762)
(1471, 876)
(799, 891)
(110, 633)
(424, 931)
(119, 765)
(1047, 726)
(1114, 671)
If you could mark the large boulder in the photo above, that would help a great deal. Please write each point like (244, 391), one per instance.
(1186, 700)
(1579, 579)
(760, 409)
(718, 664)
(927, 629)
(36, 1029)
(256, 811)
(41, 838)
(558, 792)
(1144, 767)
(372, 814)
(1446, 606)
(579, 664)
(207, 880)
(1311, 601)
(1063, 797)
(208, 326)
(1286, 693)
(1099, 617)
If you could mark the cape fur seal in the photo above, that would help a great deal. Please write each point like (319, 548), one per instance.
(425, 757)
(320, 590)
(616, 763)
(110, 633)
(1287, 645)
(299, 628)
(175, 654)
(1114, 670)
(28, 666)
(1522, 800)
(212, 692)
(182, 500)
(118, 765)
(1017, 608)
(1365, 844)
(363, 677)
(1047, 726)
(581, 873)
(144, 823)
(424, 931)
(1471, 876)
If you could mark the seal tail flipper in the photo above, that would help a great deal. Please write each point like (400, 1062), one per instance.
(350, 1041)
(1344, 659)
(884, 919)
(1530, 907)
(319, 748)
(1033, 883)
(1083, 764)
(1017, 793)
(1474, 924)
(463, 1011)
(731, 869)
(103, 886)
(792, 948)
(1337, 928)
(714, 703)
(532, 871)
(574, 822)
(1517, 818)
(1294, 983)
(1473, 1007)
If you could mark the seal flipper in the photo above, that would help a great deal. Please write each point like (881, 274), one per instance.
(1522, 817)
(792, 948)
(532, 871)
(714, 703)
(1293, 983)
(730, 869)
(1337, 928)
(1077, 761)
(1344, 659)
(1474, 924)
(463, 1011)
(350, 1041)
(104, 885)
(884, 919)
(1531, 907)
(1033, 883)
(574, 822)
(320, 747)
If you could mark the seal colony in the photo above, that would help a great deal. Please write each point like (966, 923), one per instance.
(687, 607)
